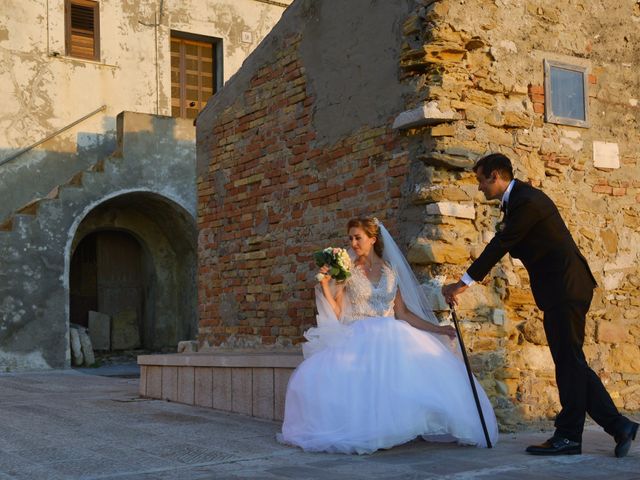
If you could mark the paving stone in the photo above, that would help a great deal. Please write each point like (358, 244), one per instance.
(100, 330)
(120, 438)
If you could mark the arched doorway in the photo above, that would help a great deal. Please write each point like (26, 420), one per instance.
(112, 274)
(133, 261)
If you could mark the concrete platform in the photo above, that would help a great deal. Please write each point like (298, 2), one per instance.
(252, 383)
(69, 425)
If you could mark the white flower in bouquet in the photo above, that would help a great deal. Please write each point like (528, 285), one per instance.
(338, 261)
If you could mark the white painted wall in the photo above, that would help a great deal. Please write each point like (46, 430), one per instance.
(42, 90)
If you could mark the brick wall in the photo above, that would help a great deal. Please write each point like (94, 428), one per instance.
(271, 196)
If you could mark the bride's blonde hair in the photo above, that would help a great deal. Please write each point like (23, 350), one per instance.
(369, 226)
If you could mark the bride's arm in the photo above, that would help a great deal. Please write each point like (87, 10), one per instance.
(334, 301)
(403, 313)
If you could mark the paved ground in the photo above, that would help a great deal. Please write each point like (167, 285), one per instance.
(68, 425)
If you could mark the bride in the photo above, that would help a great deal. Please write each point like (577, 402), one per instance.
(379, 370)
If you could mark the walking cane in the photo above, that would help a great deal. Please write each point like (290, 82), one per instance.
(473, 385)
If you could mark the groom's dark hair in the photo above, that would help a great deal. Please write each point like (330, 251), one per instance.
(495, 162)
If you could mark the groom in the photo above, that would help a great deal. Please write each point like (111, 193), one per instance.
(562, 285)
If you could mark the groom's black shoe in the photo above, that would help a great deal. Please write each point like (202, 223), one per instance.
(624, 439)
(556, 446)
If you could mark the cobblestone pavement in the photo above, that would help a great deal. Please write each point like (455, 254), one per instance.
(70, 425)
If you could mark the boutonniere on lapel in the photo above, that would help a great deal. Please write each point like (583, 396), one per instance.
(501, 223)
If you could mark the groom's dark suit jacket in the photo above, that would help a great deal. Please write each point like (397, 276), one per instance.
(535, 233)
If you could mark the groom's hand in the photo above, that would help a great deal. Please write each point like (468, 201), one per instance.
(451, 291)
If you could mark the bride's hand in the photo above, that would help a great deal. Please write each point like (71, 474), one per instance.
(322, 275)
(447, 330)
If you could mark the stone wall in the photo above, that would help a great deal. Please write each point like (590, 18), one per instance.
(338, 114)
(482, 64)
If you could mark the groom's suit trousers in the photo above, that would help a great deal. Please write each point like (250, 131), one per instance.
(581, 390)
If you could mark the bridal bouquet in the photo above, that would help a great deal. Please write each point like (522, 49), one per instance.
(338, 261)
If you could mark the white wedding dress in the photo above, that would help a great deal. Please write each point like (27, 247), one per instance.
(380, 382)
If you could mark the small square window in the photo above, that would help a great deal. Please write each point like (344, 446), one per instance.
(82, 29)
(566, 94)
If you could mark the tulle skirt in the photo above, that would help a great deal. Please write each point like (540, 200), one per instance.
(383, 384)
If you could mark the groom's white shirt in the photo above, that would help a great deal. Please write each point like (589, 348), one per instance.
(466, 279)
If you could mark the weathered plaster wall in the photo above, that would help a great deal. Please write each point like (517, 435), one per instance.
(44, 90)
(481, 63)
(153, 176)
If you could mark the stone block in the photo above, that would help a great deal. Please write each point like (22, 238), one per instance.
(426, 114)
(153, 381)
(520, 296)
(170, 383)
(186, 385)
(451, 158)
(142, 386)
(426, 252)
(496, 135)
(613, 280)
(498, 317)
(451, 209)
(100, 330)
(613, 332)
(76, 349)
(606, 155)
(187, 346)
(572, 139)
(241, 390)
(221, 381)
(281, 380)
(436, 193)
(443, 131)
(480, 98)
(124, 331)
(444, 53)
(517, 119)
(262, 392)
(533, 331)
(622, 262)
(624, 358)
(533, 358)
(87, 348)
(203, 382)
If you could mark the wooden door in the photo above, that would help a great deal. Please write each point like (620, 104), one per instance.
(119, 259)
(192, 76)
(107, 275)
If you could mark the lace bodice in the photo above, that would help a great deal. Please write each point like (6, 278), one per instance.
(366, 299)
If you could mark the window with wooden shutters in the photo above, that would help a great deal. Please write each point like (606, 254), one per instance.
(193, 75)
(82, 29)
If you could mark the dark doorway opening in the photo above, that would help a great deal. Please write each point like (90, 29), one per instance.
(110, 275)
